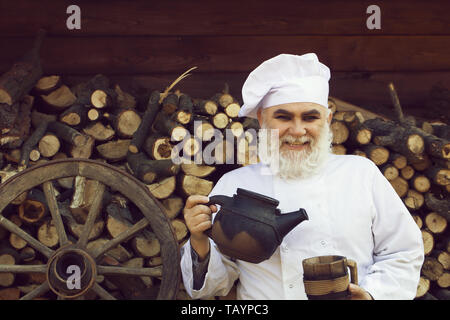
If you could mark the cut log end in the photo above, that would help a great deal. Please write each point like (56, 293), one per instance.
(340, 132)
(422, 287)
(5, 97)
(220, 120)
(49, 145)
(93, 114)
(435, 223)
(364, 136)
(179, 133)
(232, 110)
(210, 107)
(400, 186)
(72, 119)
(61, 98)
(428, 242)
(31, 211)
(415, 144)
(100, 99)
(183, 117)
(48, 234)
(46, 84)
(128, 122)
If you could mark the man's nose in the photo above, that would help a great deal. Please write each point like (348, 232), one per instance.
(297, 128)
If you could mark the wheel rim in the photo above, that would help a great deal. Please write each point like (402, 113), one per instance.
(116, 179)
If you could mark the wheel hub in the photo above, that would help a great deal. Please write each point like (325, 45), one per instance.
(71, 272)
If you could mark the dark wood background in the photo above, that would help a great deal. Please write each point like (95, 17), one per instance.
(147, 44)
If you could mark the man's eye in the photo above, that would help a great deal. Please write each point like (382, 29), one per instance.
(282, 117)
(311, 118)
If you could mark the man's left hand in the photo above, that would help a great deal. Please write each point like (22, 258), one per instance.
(358, 293)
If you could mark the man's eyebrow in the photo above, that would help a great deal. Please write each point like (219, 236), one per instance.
(282, 111)
(311, 112)
(306, 113)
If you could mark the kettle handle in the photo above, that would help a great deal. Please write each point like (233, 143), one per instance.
(220, 200)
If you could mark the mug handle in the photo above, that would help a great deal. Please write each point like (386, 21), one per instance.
(353, 271)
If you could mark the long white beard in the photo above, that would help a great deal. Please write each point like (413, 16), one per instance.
(293, 164)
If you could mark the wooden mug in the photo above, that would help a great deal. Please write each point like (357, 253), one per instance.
(326, 277)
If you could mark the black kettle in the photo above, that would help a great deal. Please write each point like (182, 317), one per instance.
(249, 226)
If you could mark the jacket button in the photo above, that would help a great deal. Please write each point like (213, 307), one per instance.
(291, 286)
(323, 243)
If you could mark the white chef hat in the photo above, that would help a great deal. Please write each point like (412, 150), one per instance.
(283, 79)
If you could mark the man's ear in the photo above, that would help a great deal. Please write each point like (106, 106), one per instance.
(330, 117)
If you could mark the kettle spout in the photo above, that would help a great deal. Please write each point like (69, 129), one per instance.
(288, 221)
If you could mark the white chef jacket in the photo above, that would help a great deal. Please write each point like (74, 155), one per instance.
(353, 212)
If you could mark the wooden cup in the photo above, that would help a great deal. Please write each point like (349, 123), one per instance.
(326, 277)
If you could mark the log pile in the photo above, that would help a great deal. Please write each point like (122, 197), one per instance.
(140, 134)
(43, 118)
(416, 161)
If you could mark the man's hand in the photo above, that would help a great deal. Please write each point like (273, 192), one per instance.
(198, 219)
(358, 293)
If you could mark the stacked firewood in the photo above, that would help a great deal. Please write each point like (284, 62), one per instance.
(98, 121)
(416, 161)
(42, 118)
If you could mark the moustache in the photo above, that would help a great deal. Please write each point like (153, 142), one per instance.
(296, 140)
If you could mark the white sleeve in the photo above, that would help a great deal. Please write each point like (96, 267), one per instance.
(222, 271)
(398, 246)
(220, 277)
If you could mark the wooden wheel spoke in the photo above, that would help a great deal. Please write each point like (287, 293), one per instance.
(10, 226)
(39, 291)
(140, 225)
(92, 215)
(41, 268)
(151, 272)
(102, 293)
(54, 210)
(117, 227)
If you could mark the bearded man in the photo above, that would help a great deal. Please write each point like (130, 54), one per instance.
(353, 210)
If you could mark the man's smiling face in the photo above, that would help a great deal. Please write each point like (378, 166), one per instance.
(299, 123)
(304, 138)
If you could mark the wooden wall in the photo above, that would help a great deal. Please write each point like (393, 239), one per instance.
(149, 43)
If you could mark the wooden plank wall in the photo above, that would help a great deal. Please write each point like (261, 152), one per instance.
(149, 43)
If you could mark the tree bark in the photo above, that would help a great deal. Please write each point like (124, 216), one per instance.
(23, 75)
(205, 107)
(168, 127)
(399, 139)
(147, 120)
(440, 206)
(76, 115)
(149, 170)
(158, 147)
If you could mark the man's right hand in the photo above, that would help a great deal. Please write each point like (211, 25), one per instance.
(197, 216)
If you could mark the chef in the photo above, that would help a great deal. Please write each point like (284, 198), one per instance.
(353, 210)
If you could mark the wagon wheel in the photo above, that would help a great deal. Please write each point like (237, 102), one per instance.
(89, 261)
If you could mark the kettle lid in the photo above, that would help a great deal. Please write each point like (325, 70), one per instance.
(246, 193)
